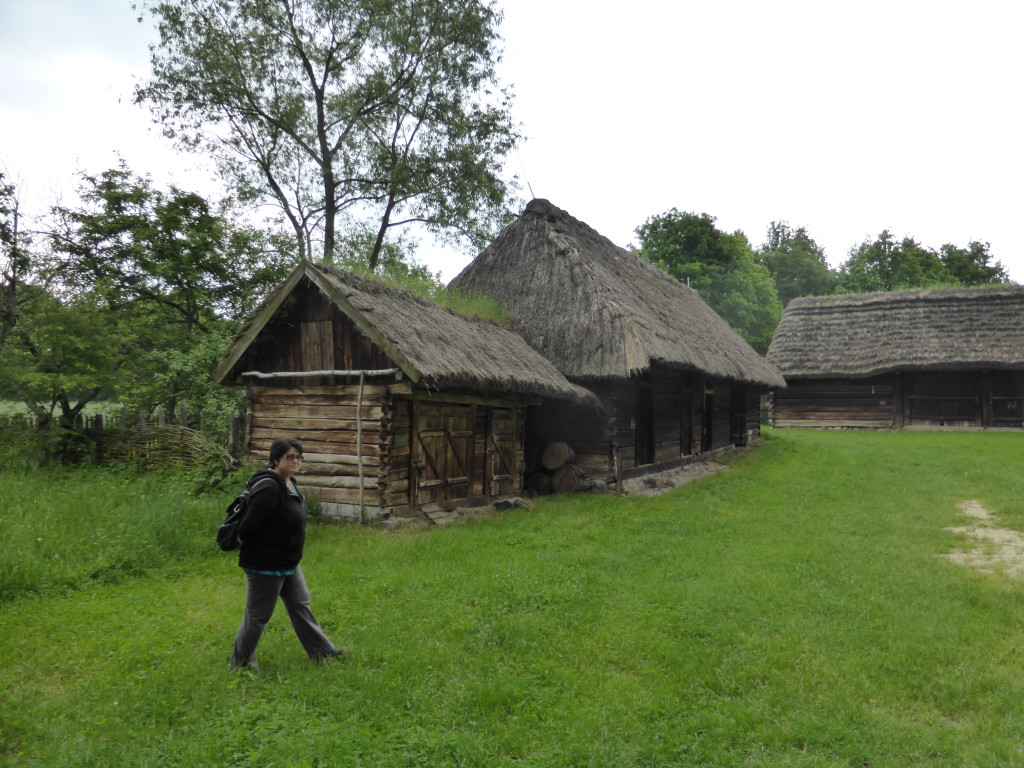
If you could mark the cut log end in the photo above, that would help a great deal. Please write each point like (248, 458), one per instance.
(557, 455)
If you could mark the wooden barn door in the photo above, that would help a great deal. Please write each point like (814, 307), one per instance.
(443, 451)
(502, 462)
(707, 421)
(644, 432)
(686, 421)
(738, 416)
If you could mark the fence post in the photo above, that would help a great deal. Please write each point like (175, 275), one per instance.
(161, 417)
(143, 418)
(233, 438)
(182, 415)
(122, 418)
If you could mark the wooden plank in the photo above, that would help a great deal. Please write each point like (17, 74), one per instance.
(852, 402)
(338, 398)
(876, 415)
(292, 425)
(337, 481)
(335, 436)
(341, 412)
(334, 390)
(335, 458)
(371, 466)
(314, 446)
(304, 404)
(350, 512)
(348, 496)
(831, 423)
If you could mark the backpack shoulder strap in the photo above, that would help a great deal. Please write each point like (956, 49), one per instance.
(262, 482)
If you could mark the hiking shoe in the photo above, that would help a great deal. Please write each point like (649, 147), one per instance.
(334, 653)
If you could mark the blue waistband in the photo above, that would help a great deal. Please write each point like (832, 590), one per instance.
(271, 573)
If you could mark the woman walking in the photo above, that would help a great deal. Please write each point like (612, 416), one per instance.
(272, 535)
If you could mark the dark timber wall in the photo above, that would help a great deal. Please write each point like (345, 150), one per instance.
(647, 424)
(913, 398)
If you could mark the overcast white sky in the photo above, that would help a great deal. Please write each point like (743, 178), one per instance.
(844, 118)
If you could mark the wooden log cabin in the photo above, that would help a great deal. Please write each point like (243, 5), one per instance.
(403, 406)
(926, 358)
(675, 382)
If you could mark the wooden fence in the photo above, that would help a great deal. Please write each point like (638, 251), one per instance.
(147, 439)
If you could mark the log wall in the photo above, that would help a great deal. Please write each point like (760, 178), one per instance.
(339, 436)
(838, 403)
(605, 440)
(972, 399)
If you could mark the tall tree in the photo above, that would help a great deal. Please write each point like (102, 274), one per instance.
(796, 263)
(972, 265)
(721, 267)
(387, 111)
(887, 264)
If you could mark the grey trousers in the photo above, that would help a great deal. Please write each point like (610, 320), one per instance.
(260, 600)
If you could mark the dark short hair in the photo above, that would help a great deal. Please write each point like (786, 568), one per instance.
(280, 447)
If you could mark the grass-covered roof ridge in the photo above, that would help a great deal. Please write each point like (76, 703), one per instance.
(598, 311)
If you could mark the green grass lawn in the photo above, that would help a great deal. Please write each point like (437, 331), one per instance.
(791, 611)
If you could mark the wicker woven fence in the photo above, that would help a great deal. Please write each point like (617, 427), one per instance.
(148, 440)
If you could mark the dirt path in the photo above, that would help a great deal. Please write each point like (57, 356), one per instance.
(1001, 550)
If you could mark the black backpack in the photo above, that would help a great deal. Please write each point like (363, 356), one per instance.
(227, 534)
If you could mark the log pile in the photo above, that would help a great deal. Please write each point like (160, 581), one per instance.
(558, 472)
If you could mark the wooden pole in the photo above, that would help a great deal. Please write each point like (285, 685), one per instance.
(182, 415)
(359, 448)
(233, 438)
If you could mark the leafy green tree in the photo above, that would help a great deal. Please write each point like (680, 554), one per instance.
(797, 263)
(342, 110)
(62, 355)
(138, 291)
(972, 265)
(886, 264)
(129, 244)
(721, 267)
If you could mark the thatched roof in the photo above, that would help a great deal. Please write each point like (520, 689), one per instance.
(598, 311)
(874, 333)
(431, 344)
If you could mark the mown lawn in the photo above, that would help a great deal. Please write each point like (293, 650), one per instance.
(790, 611)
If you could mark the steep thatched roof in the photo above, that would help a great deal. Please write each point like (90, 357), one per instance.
(431, 344)
(875, 333)
(597, 311)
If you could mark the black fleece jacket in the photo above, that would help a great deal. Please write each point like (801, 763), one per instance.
(273, 531)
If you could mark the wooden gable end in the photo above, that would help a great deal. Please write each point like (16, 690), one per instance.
(310, 333)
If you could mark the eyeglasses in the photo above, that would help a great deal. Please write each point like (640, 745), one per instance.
(293, 458)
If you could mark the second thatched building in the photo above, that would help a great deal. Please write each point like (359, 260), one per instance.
(675, 382)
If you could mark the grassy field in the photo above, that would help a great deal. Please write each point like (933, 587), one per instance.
(791, 611)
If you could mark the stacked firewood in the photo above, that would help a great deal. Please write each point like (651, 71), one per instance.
(558, 472)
